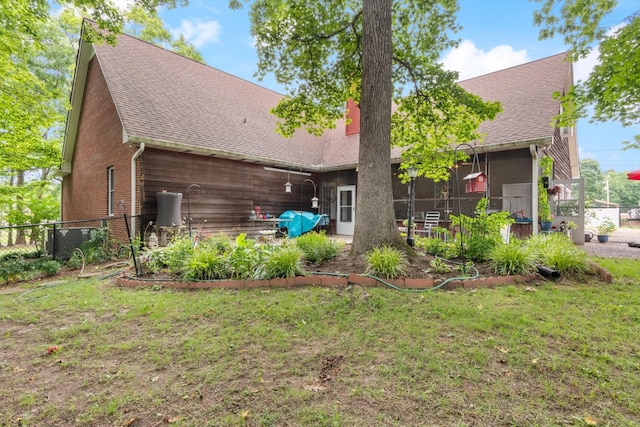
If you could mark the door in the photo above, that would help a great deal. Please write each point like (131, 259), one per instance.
(517, 198)
(346, 209)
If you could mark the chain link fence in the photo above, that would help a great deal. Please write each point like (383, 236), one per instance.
(625, 219)
(60, 239)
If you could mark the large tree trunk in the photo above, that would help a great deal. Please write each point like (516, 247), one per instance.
(375, 218)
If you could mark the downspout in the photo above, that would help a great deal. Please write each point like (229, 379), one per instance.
(533, 149)
(137, 154)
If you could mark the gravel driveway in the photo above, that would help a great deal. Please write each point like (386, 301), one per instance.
(611, 249)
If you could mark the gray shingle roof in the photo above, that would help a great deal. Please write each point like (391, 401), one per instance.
(164, 97)
(526, 94)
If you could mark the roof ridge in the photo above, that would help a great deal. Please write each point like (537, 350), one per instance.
(137, 39)
(528, 63)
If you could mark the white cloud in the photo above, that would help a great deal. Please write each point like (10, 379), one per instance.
(199, 32)
(122, 4)
(470, 61)
(583, 67)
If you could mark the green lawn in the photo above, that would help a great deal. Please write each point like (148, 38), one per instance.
(557, 354)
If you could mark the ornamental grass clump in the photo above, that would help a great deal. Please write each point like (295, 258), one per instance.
(512, 258)
(558, 252)
(205, 264)
(387, 262)
(317, 247)
(282, 261)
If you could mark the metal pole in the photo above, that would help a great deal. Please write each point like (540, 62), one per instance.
(189, 213)
(133, 252)
(53, 243)
(189, 206)
(410, 214)
(413, 173)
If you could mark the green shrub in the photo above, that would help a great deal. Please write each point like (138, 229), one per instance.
(432, 245)
(14, 269)
(174, 255)
(245, 257)
(481, 233)
(50, 267)
(284, 261)
(479, 246)
(386, 262)
(219, 243)
(204, 265)
(98, 248)
(317, 247)
(75, 261)
(512, 258)
(440, 266)
(558, 252)
(10, 253)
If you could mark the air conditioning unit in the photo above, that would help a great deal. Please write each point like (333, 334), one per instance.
(566, 131)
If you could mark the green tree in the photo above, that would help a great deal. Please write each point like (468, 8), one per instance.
(375, 52)
(593, 180)
(148, 26)
(623, 191)
(33, 121)
(613, 88)
(37, 58)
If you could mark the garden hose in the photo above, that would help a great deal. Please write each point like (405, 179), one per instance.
(324, 273)
(397, 288)
(20, 298)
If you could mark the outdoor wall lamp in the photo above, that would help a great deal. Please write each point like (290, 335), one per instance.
(287, 186)
(314, 200)
(412, 171)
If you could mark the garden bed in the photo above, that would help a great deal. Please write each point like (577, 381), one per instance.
(345, 269)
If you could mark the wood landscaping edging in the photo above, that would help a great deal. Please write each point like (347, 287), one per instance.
(331, 281)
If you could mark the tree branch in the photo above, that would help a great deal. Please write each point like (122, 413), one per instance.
(342, 29)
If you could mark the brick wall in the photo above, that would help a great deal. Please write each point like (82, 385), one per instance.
(98, 147)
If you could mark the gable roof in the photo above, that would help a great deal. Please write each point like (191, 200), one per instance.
(169, 101)
(526, 94)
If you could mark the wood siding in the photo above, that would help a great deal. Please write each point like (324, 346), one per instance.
(559, 150)
(229, 190)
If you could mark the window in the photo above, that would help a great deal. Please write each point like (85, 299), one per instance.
(111, 184)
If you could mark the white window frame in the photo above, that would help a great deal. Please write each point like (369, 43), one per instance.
(111, 191)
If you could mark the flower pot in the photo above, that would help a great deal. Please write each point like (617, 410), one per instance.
(545, 225)
(588, 236)
(603, 238)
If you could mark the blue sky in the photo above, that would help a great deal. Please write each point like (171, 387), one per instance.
(496, 34)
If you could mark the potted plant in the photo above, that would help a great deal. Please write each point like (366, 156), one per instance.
(605, 229)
